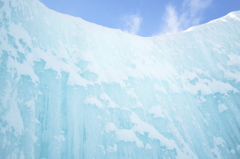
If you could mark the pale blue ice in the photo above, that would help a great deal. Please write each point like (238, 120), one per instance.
(71, 89)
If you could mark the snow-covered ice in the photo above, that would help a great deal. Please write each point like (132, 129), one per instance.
(73, 89)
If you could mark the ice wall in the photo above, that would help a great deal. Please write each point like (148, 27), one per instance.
(73, 89)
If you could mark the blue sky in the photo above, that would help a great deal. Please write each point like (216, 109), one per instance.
(145, 17)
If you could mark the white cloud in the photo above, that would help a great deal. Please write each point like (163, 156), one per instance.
(171, 19)
(132, 23)
(196, 6)
(192, 11)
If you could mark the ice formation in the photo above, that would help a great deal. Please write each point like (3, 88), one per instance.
(73, 89)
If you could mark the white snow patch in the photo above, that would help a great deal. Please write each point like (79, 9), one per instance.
(99, 117)
(147, 146)
(91, 100)
(203, 99)
(232, 15)
(233, 59)
(219, 141)
(174, 88)
(232, 75)
(102, 148)
(157, 111)
(128, 136)
(123, 134)
(31, 104)
(112, 148)
(110, 127)
(143, 127)
(137, 105)
(34, 138)
(131, 93)
(159, 88)
(217, 153)
(23, 69)
(109, 101)
(222, 108)
(59, 138)
(208, 87)
(14, 119)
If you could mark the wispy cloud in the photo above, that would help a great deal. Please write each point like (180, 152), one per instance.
(132, 23)
(172, 20)
(192, 12)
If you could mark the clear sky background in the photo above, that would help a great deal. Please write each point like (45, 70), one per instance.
(145, 17)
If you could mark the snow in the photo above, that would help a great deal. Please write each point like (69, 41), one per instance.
(147, 146)
(128, 136)
(13, 118)
(73, 89)
(91, 100)
(123, 134)
(222, 108)
(157, 111)
(112, 148)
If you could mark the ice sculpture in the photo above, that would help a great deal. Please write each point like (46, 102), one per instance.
(73, 89)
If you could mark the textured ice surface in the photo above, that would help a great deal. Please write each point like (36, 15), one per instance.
(73, 89)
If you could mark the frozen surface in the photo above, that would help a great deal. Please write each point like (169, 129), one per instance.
(73, 89)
